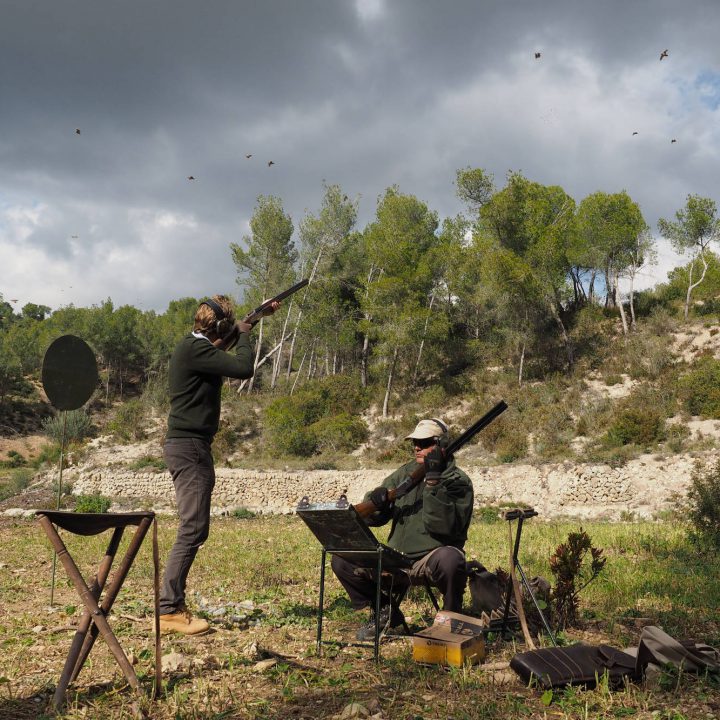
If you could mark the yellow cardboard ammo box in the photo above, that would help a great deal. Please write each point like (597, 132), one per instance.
(452, 639)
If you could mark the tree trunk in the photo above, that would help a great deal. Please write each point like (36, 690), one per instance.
(300, 312)
(258, 348)
(691, 285)
(278, 357)
(424, 335)
(563, 332)
(522, 363)
(633, 325)
(619, 302)
(391, 374)
(297, 375)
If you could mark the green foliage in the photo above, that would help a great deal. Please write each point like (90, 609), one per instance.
(572, 571)
(148, 462)
(700, 388)
(323, 415)
(703, 506)
(74, 425)
(242, 513)
(128, 421)
(92, 504)
(15, 460)
(642, 426)
(511, 447)
(14, 481)
(340, 433)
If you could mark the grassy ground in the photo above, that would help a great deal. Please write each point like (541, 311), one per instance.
(652, 577)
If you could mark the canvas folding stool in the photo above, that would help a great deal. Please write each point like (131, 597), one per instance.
(93, 621)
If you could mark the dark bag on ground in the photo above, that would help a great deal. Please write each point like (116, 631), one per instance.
(578, 664)
(656, 647)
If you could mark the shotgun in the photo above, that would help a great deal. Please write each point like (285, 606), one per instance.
(367, 508)
(254, 316)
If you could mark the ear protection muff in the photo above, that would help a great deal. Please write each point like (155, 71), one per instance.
(443, 440)
(222, 324)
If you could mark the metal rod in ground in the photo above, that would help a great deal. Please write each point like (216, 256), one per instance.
(57, 503)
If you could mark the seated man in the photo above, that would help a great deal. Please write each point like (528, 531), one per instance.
(429, 524)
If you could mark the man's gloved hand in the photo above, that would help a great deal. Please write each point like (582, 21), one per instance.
(379, 497)
(435, 464)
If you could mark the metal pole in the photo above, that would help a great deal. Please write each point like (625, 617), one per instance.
(57, 503)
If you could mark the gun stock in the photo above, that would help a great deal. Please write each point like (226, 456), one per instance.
(255, 315)
(367, 508)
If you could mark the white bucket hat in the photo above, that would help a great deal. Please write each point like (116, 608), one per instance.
(428, 429)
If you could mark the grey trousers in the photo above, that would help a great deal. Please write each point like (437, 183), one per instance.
(444, 567)
(190, 463)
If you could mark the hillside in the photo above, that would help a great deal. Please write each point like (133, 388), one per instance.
(561, 447)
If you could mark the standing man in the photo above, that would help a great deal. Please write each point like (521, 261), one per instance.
(429, 524)
(197, 367)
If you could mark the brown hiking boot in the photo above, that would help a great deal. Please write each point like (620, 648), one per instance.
(183, 622)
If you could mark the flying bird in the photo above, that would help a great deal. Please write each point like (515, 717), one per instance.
(663, 54)
(635, 133)
(248, 156)
(74, 237)
(537, 55)
(14, 300)
(190, 177)
(270, 162)
(673, 140)
(77, 131)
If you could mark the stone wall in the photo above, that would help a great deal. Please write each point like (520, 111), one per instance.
(643, 487)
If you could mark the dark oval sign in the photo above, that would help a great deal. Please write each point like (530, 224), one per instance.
(69, 372)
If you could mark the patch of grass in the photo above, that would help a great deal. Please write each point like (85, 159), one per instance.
(14, 481)
(148, 462)
(92, 504)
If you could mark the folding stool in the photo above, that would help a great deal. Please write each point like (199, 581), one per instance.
(94, 617)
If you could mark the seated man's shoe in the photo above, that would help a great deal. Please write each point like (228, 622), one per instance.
(387, 621)
(183, 622)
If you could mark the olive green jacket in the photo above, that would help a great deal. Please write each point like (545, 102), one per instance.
(428, 517)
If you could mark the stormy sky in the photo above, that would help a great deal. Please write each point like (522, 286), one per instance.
(362, 93)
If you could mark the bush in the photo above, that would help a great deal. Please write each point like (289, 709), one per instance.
(321, 416)
(15, 460)
(92, 504)
(77, 426)
(14, 481)
(340, 433)
(511, 447)
(700, 388)
(703, 505)
(242, 513)
(129, 421)
(636, 425)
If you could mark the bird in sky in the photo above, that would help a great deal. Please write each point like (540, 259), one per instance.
(673, 140)
(13, 300)
(249, 156)
(663, 54)
(537, 55)
(190, 177)
(77, 131)
(635, 132)
(270, 162)
(74, 237)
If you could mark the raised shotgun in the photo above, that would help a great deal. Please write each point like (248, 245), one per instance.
(367, 508)
(254, 316)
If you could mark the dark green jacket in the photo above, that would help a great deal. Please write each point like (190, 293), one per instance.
(429, 517)
(196, 371)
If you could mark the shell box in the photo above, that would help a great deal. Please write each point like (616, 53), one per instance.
(452, 639)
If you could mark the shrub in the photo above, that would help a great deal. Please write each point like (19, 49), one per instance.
(92, 504)
(242, 513)
(14, 481)
(641, 426)
(703, 505)
(15, 460)
(340, 433)
(569, 564)
(511, 447)
(128, 422)
(700, 388)
(76, 423)
(148, 462)
(320, 416)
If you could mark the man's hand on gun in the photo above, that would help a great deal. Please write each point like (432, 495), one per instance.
(435, 464)
(242, 326)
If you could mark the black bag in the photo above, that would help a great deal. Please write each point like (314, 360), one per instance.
(578, 664)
